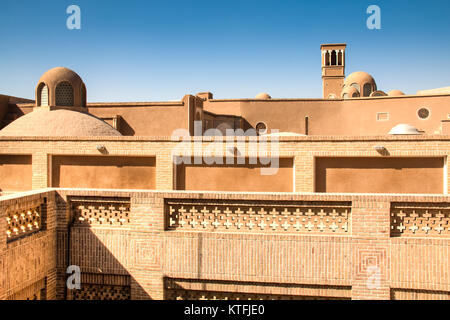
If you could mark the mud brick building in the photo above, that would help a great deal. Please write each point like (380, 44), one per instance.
(356, 208)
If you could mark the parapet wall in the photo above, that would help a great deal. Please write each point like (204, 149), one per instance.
(303, 166)
(28, 228)
(338, 117)
(177, 245)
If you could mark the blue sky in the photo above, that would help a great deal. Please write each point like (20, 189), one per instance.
(161, 50)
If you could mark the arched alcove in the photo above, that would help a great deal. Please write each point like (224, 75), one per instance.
(42, 98)
(367, 89)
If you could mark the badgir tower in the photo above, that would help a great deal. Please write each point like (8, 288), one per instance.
(346, 198)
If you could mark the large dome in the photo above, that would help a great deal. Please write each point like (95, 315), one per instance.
(61, 123)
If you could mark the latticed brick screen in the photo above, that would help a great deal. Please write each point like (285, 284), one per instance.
(420, 219)
(102, 287)
(35, 291)
(100, 211)
(192, 289)
(64, 94)
(256, 216)
(181, 294)
(101, 292)
(25, 219)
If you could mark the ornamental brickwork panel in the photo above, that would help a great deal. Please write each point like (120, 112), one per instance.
(420, 219)
(182, 294)
(196, 289)
(25, 219)
(257, 216)
(102, 211)
(102, 292)
(35, 291)
(102, 287)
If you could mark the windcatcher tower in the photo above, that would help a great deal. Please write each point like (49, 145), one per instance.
(333, 69)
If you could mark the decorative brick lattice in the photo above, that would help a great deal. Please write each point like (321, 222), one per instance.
(25, 220)
(420, 219)
(195, 289)
(101, 211)
(182, 294)
(102, 292)
(255, 216)
(102, 287)
(64, 94)
(35, 291)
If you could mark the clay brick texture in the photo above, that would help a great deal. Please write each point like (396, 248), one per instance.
(198, 245)
(170, 244)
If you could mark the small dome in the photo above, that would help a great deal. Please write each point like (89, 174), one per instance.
(404, 129)
(358, 77)
(61, 123)
(332, 96)
(362, 81)
(58, 74)
(263, 95)
(61, 87)
(349, 92)
(378, 93)
(395, 93)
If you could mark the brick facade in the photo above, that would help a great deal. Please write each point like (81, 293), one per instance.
(303, 151)
(126, 248)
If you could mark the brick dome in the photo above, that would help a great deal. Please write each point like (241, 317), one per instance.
(358, 77)
(362, 81)
(263, 95)
(61, 87)
(395, 93)
(349, 92)
(61, 123)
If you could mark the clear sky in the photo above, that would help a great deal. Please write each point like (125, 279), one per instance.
(161, 50)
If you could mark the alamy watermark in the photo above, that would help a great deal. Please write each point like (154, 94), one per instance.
(374, 20)
(373, 277)
(227, 148)
(74, 20)
(74, 280)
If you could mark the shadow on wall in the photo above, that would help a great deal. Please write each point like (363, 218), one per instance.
(125, 128)
(194, 289)
(246, 125)
(99, 242)
(9, 113)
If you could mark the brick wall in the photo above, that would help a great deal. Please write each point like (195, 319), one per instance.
(289, 246)
(27, 258)
(303, 150)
